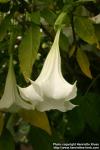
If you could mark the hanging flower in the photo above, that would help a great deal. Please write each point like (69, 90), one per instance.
(11, 99)
(56, 91)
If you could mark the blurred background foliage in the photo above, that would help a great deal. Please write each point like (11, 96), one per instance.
(30, 26)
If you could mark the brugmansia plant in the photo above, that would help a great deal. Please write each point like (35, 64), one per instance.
(49, 91)
(54, 90)
(50, 46)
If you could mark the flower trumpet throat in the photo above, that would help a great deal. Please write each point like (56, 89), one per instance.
(56, 92)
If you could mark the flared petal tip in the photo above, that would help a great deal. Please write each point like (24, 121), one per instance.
(73, 92)
(68, 106)
(30, 94)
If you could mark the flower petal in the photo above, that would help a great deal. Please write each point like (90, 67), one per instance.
(52, 62)
(56, 91)
(8, 96)
(31, 93)
(52, 104)
(50, 80)
(11, 97)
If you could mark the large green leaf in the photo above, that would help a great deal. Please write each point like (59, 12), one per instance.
(85, 30)
(36, 118)
(92, 111)
(76, 122)
(39, 139)
(6, 141)
(83, 62)
(28, 49)
(89, 106)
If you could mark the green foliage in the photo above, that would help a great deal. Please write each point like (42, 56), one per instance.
(35, 17)
(4, 1)
(49, 16)
(6, 141)
(4, 26)
(41, 142)
(28, 50)
(85, 30)
(27, 29)
(83, 62)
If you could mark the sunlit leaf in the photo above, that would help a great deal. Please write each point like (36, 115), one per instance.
(83, 62)
(28, 49)
(36, 118)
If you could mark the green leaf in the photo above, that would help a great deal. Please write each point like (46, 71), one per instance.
(83, 62)
(62, 19)
(4, 1)
(85, 30)
(89, 105)
(63, 42)
(39, 139)
(76, 122)
(92, 111)
(28, 50)
(4, 26)
(72, 50)
(35, 17)
(6, 141)
(36, 118)
(49, 16)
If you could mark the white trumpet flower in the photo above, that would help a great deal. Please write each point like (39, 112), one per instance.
(56, 91)
(11, 100)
